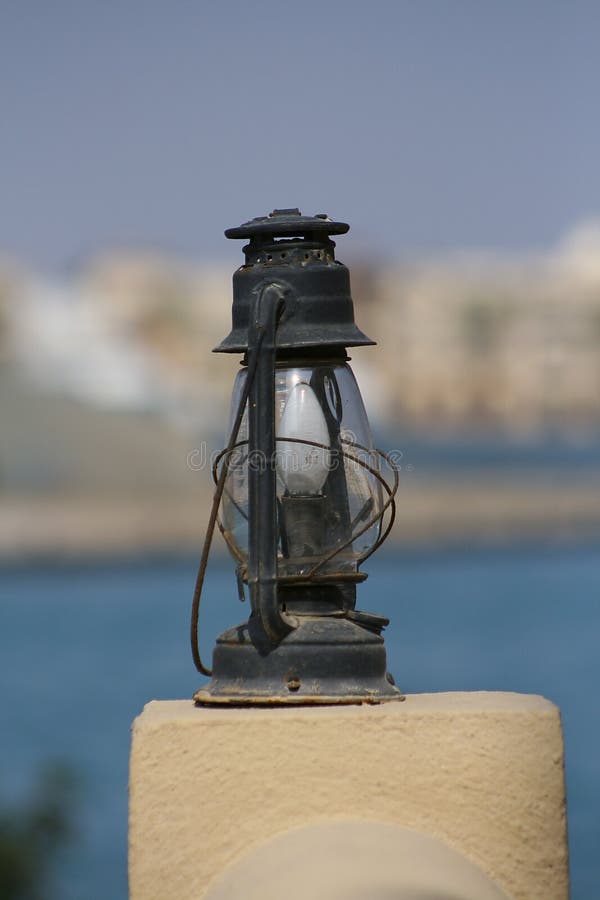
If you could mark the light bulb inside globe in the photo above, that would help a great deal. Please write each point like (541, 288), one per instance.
(303, 460)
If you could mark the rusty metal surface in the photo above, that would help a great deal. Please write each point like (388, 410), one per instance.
(324, 660)
(203, 697)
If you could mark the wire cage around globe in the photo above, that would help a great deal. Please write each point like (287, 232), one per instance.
(311, 558)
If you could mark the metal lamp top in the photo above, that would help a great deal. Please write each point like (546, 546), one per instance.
(288, 223)
(296, 253)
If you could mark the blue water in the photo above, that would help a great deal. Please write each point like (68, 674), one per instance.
(544, 454)
(84, 647)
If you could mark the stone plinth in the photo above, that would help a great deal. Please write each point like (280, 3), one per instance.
(481, 772)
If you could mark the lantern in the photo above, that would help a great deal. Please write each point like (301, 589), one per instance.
(300, 497)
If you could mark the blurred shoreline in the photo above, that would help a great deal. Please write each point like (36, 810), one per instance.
(442, 512)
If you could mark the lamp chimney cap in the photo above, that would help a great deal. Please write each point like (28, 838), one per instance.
(288, 223)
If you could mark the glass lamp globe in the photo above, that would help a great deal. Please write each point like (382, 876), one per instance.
(327, 489)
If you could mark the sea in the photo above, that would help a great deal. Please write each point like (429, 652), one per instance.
(84, 646)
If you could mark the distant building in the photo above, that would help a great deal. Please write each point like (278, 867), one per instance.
(466, 342)
(492, 342)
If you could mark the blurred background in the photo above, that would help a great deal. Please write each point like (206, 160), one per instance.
(460, 140)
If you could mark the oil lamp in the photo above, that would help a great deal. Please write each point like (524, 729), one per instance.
(300, 497)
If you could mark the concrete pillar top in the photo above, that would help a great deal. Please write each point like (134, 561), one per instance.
(481, 773)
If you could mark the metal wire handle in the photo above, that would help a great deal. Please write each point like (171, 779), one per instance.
(214, 512)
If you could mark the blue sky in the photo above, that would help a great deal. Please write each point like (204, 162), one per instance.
(427, 125)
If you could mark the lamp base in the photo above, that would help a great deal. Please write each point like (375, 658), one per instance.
(325, 660)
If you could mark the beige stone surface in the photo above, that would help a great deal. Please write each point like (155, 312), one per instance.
(482, 772)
